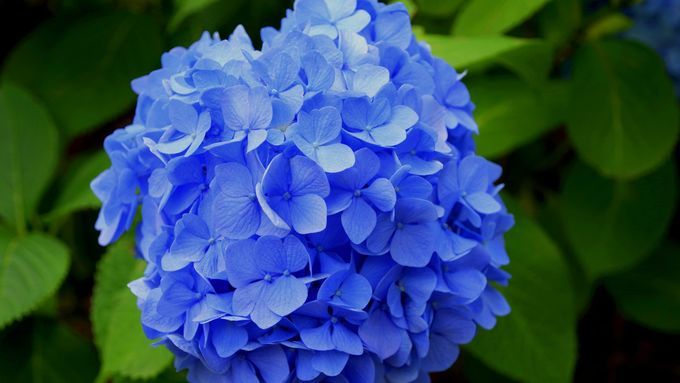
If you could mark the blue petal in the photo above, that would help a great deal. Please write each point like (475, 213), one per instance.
(359, 220)
(272, 363)
(335, 158)
(308, 213)
(379, 239)
(227, 337)
(241, 262)
(380, 335)
(346, 340)
(183, 117)
(331, 363)
(369, 79)
(413, 245)
(483, 203)
(286, 295)
(381, 194)
(318, 338)
(307, 178)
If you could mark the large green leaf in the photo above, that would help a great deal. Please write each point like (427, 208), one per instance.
(74, 189)
(510, 112)
(28, 153)
(560, 20)
(438, 8)
(490, 17)
(463, 52)
(47, 353)
(650, 293)
(124, 348)
(186, 8)
(537, 341)
(611, 225)
(31, 269)
(623, 115)
(81, 68)
(532, 62)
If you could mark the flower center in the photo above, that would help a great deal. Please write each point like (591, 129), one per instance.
(357, 193)
(338, 293)
(286, 273)
(286, 196)
(400, 225)
(267, 278)
(334, 320)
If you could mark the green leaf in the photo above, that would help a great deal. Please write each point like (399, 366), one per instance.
(74, 193)
(609, 24)
(490, 17)
(438, 8)
(50, 352)
(31, 269)
(560, 20)
(511, 113)
(611, 225)
(116, 320)
(81, 68)
(28, 152)
(463, 52)
(537, 341)
(532, 62)
(186, 8)
(623, 115)
(650, 293)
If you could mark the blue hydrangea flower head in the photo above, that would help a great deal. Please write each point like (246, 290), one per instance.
(657, 24)
(313, 210)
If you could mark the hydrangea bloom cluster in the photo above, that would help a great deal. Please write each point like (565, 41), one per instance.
(657, 24)
(313, 211)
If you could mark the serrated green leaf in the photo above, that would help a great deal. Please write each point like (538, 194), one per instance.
(623, 115)
(116, 320)
(650, 293)
(537, 341)
(490, 17)
(82, 68)
(611, 225)
(28, 152)
(510, 113)
(463, 52)
(74, 190)
(31, 269)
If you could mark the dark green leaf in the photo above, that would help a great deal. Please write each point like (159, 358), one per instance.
(463, 52)
(623, 115)
(560, 20)
(52, 353)
(611, 225)
(510, 112)
(116, 320)
(650, 293)
(82, 68)
(75, 193)
(28, 153)
(537, 341)
(532, 62)
(490, 17)
(31, 269)
(186, 8)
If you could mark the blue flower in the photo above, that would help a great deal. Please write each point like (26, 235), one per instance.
(248, 112)
(190, 126)
(292, 194)
(327, 17)
(409, 236)
(294, 197)
(357, 200)
(377, 122)
(262, 273)
(467, 183)
(317, 135)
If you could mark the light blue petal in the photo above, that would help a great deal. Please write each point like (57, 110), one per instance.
(182, 116)
(236, 107)
(346, 340)
(369, 79)
(379, 239)
(286, 295)
(241, 263)
(255, 139)
(355, 23)
(308, 213)
(381, 194)
(227, 337)
(483, 203)
(174, 147)
(306, 177)
(335, 158)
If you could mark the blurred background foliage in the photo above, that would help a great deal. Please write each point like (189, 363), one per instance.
(584, 122)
